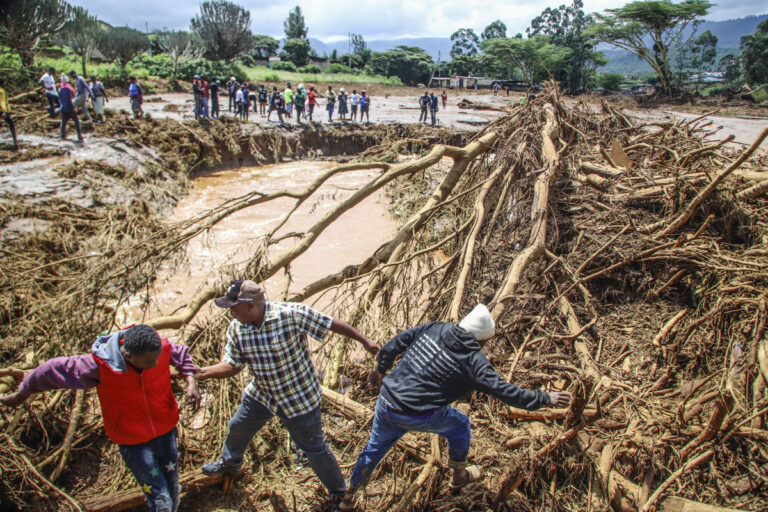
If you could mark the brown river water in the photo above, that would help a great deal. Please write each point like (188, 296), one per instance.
(351, 239)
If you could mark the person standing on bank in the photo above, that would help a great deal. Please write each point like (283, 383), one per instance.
(424, 105)
(442, 362)
(270, 338)
(299, 99)
(365, 107)
(51, 94)
(331, 101)
(83, 92)
(311, 101)
(197, 94)
(288, 97)
(433, 107)
(67, 102)
(214, 88)
(262, 100)
(232, 89)
(130, 370)
(99, 98)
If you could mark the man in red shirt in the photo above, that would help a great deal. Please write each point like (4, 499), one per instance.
(206, 94)
(311, 100)
(130, 370)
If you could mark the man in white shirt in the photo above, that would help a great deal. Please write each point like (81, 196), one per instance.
(49, 84)
(354, 101)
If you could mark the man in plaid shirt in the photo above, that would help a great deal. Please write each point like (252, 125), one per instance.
(270, 338)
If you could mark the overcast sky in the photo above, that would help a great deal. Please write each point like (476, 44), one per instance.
(375, 19)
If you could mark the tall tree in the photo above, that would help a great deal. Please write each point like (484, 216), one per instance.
(264, 47)
(297, 51)
(122, 45)
(465, 42)
(224, 29)
(25, 23)
(81, 34)
(704, 53)
(730, 63)
(359, 48)
(409, 63)
(651, 29)
(180, 46)
(294, 25)
(567, 26)
(754, 54)
(494, 30)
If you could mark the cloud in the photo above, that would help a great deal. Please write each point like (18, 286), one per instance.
(375, 19)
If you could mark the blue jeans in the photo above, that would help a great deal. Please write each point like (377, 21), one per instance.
(305, 430)
(155, 465)
(389, 426)
(53, 103)
(204, 108)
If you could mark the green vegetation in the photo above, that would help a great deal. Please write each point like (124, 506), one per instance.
(755, 55)
(609, 81)
(122, 45)
(24, 24)
(223, 27)
(284, 66)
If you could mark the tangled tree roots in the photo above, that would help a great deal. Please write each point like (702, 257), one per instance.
(623, 262)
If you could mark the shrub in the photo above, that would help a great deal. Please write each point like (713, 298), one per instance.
(339, 68)
(310, 68)
(610, 81)
(271, 77)
(284, 66)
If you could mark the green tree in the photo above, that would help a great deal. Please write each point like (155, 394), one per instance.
(465, 42)
(704, 53)
(409, 63)
(730, 63)
(297, 51)
(610, 81)
(180, 46)
(463, 65)
(294, 25)
(754, 54)
(534, 57)
(360, 48)
(81, 34)
(122, 45)
(494, 30)
(651, 29)
(24, 24)
(567, 26)
(264, 47)
(224, 29)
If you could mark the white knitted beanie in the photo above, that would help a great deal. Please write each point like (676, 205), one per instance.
(479, 323)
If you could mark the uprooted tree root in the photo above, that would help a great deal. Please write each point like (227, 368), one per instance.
(623, 262)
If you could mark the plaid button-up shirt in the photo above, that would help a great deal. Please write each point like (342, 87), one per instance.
(278, 357)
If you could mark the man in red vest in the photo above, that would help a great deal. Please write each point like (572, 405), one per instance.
(131, 371)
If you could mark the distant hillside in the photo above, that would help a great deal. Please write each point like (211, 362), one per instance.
(728, 33)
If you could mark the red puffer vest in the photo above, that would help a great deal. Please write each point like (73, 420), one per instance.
(137, 406)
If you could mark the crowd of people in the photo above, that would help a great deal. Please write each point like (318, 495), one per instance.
(438, 363)
(299, 103)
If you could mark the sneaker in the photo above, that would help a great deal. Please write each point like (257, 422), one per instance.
(342, 503)
(218, 467)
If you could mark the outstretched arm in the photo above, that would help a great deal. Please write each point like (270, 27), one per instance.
(343, 328)
(222, 370)
(74, 372)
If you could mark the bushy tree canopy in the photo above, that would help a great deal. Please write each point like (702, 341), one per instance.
(755, 55)
(533, 56)
(264, 47)
(297, 51)
(294, 25)
(409, 63)
(25, 23)
(494, 30)
(224, 29)
(465, 42)
(122, 44)
(81, 34)
(651, 29)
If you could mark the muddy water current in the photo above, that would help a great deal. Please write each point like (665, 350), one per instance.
(350, 239)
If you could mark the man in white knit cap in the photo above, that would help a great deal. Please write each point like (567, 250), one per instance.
(442, 362)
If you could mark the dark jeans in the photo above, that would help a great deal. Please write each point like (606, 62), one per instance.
(65, 117)
(389, 426)
(232, 101)
(155, 466)
(433, 113)
(423, 114)
(215, 106)
(53, 103)
(311, 110)
(198, 107)
(305, 430)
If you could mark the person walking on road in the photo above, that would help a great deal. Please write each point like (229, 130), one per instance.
(5, 113)
(441, 362)
(270, 339)
(51, 94)
(99, 98)
(424, 105)
(131, 371)
(136, 97)
(444, 97)
(365, 106)
(83, 92)
(232, 87)
(330, 98)
(67, 102)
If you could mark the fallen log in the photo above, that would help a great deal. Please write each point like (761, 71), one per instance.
(132, 498)
(677, 504)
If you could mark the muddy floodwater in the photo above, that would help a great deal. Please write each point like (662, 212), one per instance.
(349, 240)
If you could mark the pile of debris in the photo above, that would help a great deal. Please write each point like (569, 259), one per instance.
(623, 262)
